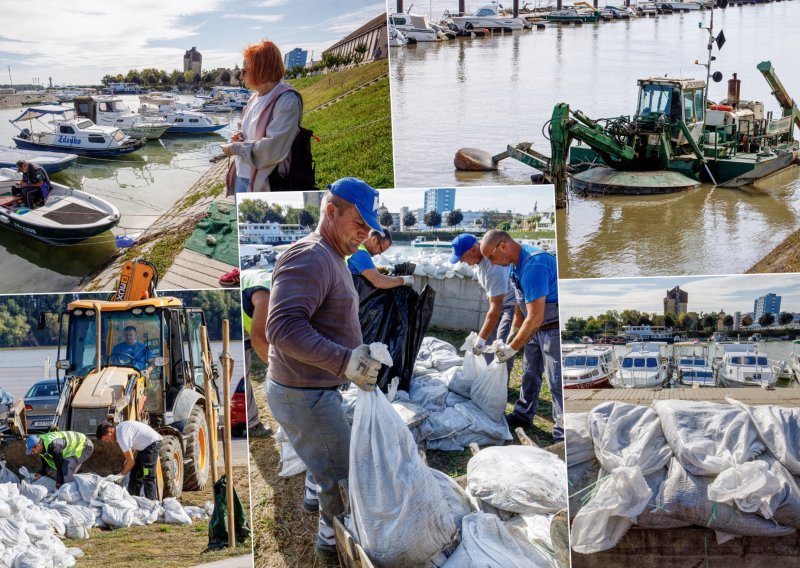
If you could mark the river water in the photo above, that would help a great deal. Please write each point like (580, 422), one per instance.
(489, 92)
(142, 185)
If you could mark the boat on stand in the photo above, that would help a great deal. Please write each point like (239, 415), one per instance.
(67, 133)
(693, 365)
(645, 365)
(107, 110)
(740, 364)
(589, 367)
(66, 217)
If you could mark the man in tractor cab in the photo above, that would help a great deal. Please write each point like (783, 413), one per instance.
(62, 452)
(134, 436)
(132, 352)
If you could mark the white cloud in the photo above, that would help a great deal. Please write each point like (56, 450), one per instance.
(269, 3)
(266, 18)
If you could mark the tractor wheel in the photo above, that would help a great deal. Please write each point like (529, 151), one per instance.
(198, 450)
(171, 466)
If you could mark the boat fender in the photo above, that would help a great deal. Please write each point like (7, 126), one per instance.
(124, 241)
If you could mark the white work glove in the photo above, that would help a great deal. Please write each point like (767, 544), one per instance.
(479, 346)
(504, 353)
(362, 369)
(115, 478)
(408, 280)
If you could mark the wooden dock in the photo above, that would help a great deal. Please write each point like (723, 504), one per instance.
(193, 271)
(584, 400)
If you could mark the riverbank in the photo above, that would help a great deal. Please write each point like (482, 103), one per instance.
(163, 241)
(783, 258)
(20, 100)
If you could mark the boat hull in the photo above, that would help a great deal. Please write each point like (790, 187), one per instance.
(489, 23)
(195, 130)
(99, 153)
(600, 383)
(51, 162)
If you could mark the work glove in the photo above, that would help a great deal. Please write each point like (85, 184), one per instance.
(504, 353)
(408, 280)
(115, 478)
(362, 369)
(511, 334)
(479, 346)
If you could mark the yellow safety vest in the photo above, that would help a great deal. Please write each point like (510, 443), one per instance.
(250, 280)
(74, 443)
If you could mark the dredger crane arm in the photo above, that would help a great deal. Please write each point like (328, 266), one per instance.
(779, 91)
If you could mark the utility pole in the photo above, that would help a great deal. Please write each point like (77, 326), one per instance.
(9, 76)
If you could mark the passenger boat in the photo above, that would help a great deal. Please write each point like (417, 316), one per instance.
(487, 17)
(67, 133)
(740, 364)
(646, 365)
(180, 119)
(67, 217)
(414, 26)
(112, 111)
(52, 162)
(589, 367)
(693, 366)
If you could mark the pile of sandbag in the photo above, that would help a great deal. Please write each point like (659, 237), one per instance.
(34, 515)
(729, 467)
(429, 263)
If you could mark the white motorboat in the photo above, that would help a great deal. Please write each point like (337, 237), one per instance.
(68, 216)
(683, 6)
(589, 367)
(647, 8)
(396, 37)
(224, 99)
(740, 364)
(646, 365)
(693, 365)
(182, 120)
(487, 17)
(67, 133)
(414, 26)
(112, 111)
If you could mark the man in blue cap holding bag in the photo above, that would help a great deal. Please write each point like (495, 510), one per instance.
(496, 283)
(62, 452)
(316, 345)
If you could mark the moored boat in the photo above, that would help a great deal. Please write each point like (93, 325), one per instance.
(52, 162)
(487, 17)
(693, 365)
(589, 367)
(112, 111)
(68, 216)
(646, 365)
(740, 364)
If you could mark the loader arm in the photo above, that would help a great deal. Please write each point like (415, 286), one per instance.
(779, 91)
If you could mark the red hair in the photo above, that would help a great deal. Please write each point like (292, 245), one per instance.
(264, 63)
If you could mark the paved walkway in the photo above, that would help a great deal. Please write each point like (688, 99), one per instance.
(233, 562)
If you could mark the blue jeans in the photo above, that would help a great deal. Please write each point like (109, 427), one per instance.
(317, 427)
(542, 355)
(242, 185)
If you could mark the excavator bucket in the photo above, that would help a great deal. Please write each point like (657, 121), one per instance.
(137, 281)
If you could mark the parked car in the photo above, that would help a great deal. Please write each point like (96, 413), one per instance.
(40, 405)
(239, 410)
(6, 402)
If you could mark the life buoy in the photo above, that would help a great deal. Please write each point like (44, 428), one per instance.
(721, 107)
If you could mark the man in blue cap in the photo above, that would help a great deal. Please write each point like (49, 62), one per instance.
(361, 264)
(62, 452)
(316, 345)
(496, 283)
(534, 276)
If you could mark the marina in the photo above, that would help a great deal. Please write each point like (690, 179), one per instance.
(142, 186)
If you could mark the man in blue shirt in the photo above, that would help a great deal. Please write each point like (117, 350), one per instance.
(360, 263)
(132, 352)
(534, 275)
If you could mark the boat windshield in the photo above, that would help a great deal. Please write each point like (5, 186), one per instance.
(690, 361)
(84, 124)
(749, 360)
(580, 361)
(485, 12)
(639, 362)
(118, 135)
(655, 100)
(698, 374)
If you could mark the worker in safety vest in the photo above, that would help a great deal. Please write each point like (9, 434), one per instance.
(535, 279)
(62, 452)
(255, 304)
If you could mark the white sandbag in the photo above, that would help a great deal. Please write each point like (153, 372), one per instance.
(410, 412)
(750, 487)
(75, 514)
(5, 510)
(196, 513)
(32, 558)
(627, 435)
(429, 393)
(118, 518)
(474, 366)
(455, 497)
(490, 390)
(107, 491)
(380, 352)
(77, 532)
(779, 429)
(6, 475)
(442, 361)
(291, 463)
(88, 485)
(448, 423)
(603, 521)
(68, 492)
(580, 447)
(653, 516)
(174, 513)
(52, 519)
(12, 532)
(536, 528)
(706, 437)
(685, 496)
(399, 514)
(487, 543)
(33, 492)
(452, 399)
(483, 424)
(520, 479)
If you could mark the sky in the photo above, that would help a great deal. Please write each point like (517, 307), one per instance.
(519, 199)
(583, 298)
(80, 41)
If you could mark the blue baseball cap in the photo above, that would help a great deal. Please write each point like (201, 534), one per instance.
(360, 194)
(461, 244)
(31, 442)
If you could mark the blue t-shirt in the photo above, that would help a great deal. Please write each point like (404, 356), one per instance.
(360, 261)
(536, 275)
(135, 355)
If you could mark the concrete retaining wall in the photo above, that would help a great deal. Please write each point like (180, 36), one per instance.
(460, 302)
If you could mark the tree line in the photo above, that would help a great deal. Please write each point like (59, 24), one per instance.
(259, 211)
(612, 322)
(19, 315)
(160, 78)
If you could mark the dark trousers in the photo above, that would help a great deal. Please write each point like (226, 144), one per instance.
(29, 193)
(144, 472)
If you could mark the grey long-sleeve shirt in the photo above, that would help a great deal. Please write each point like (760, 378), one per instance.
(312, 325)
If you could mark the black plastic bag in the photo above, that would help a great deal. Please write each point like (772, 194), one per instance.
(398, 317)
(218, 524)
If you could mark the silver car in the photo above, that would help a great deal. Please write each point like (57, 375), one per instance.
(40, 405)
